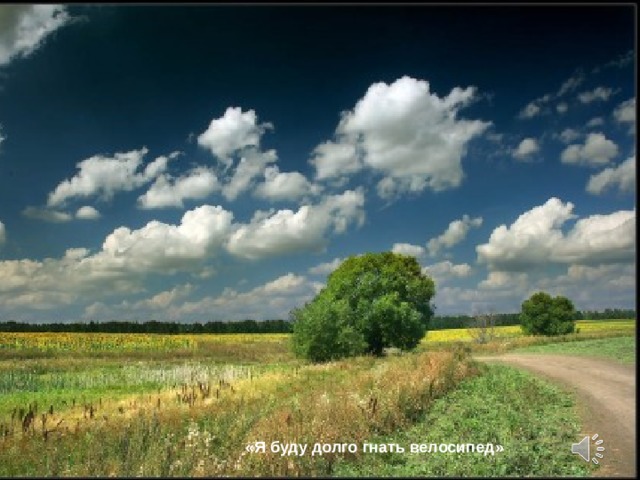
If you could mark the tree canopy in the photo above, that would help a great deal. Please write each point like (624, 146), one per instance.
(545, 315)
(370, 302)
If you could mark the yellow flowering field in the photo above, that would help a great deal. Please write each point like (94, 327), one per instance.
(92, 342)
(512, 331)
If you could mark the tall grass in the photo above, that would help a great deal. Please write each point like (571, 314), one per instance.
(172, 435)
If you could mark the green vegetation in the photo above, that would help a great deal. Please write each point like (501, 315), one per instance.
(371, 302)
(202, 426)
(188, 405)
(533, 420)
(546, 315)
(620, 349)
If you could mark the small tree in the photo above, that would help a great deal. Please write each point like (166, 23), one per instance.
(371, 302)
(482, 327)
(545, 315)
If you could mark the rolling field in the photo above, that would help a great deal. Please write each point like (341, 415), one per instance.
(189, 405)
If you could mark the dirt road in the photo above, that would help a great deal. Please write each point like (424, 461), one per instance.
(606, 396)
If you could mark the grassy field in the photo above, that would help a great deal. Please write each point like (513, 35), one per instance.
(188, 405)
(511, 337)
(619, 349)
(532, 420)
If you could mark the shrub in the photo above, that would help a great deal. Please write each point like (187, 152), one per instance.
(545, 315)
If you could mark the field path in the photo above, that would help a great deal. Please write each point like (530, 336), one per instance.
(605, 392)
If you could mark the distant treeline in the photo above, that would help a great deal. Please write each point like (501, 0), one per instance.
(242, 326)
(503, 319)
(270, 326)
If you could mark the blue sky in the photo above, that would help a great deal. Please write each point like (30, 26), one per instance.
(197, 163)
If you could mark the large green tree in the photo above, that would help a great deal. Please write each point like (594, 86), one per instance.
(370, 302)
(545, 315)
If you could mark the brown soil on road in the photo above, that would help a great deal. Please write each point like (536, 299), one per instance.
(605, 393)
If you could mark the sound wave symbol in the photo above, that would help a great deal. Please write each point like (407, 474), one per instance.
(598, 449)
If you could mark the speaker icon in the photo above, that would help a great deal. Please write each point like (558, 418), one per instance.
(583, 448)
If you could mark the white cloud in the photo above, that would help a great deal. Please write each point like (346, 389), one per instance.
(539, 106)
(285, 231)
(622, 177)
(568, 135)
(571, 84)
(596, 151)
(104, 176)
(23, 28)
(252, 164)
(526, 148)
(87, 213)
(46, 214)
(536, 239)
(165, 248)
(442, 271)
(504, 280)
(598, 94)
(335, 159)
(595, 122)
(620, 61)
(455, 233)
(126, 257)
(232, 132)
(408, 249)
(326, 268)
(406, 133)
(3, 233)
(626, 113)
(280, 186)
(163, 300)
(274, 299)
(197, 184)
(530, 110)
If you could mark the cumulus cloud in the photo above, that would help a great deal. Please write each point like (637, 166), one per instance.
(442, 271)
(562, 107)
(87, 213)
(252, 164)
(497, 280)
(597, 94)
(234, 131)
(455, 233)
(166, 248)
(526, 148)
(326, 268)
(335, 159)
(568, 135)
(46, 214)
(625, 113)
(198, 183)
(536, 239)
(164, 299)
(622, 178)
(274, 299)
(285, 231)
(24, 28)
(105, 176)
(408, 249)
(596, 151)
(280, 186)
(595, 122)
(411, 136)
